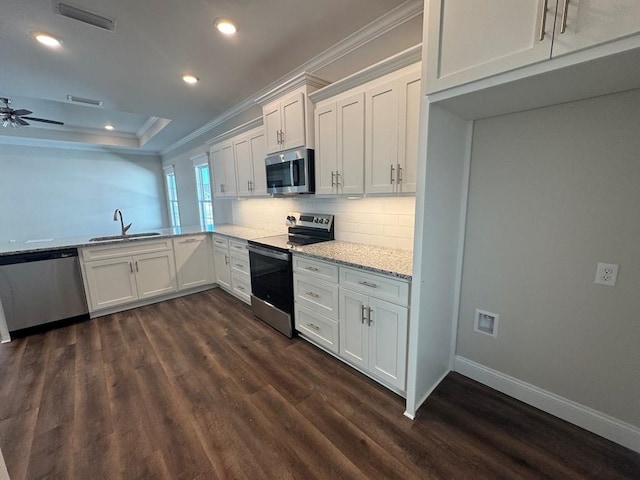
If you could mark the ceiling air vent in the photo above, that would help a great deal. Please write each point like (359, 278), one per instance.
(83, 16)
(86, 101)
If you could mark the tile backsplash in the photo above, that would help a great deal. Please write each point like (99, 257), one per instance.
(384, 221)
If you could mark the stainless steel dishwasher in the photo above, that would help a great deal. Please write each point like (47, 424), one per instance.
(38, 288)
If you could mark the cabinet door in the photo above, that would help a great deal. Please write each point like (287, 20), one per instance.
(589, 23)
(229, 162)
(409, 116)
(354, 344)
(293, 124)
(192, 261)
(111, 282)
(381, 148)
(222, 267)
(217, 167)
(257, 141)
(326, 162)
(388, 342)
(272, 124)
(155, 274)
(350, 112)
(470, 40)
(244, 165)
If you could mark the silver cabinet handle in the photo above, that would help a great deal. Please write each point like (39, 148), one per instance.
(399, 173)
(315, 327)
(239, 265)
(240, 287)
(313, 269)
(240, 247)
(392, 179)
(337, 178)
(563, 22)
(364, 315)
(333, 174)
(282, 136)
(137, 269)
(278, 137)
(189, 240)
(368, 284)
(314, 295)
(131, 267)
(543, 21)
(226, 260)
(370, 319)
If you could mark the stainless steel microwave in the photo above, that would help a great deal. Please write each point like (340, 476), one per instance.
(291, 172)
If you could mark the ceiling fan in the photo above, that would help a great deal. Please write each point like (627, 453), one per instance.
(17, 118)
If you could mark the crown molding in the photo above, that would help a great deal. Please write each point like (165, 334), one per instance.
(300, 80)
(392, 19)
(407, 57)
(245, 127)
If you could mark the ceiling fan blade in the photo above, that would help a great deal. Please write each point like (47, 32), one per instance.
(21, 112)
(43, 120)
(20, 121)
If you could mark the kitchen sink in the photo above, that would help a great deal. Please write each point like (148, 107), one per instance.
(124, 237)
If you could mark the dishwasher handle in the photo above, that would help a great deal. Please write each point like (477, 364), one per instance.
(28, 257)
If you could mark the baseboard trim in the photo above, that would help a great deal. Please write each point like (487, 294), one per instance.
(585, 417)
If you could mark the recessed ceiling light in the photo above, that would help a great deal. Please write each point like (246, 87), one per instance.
(225, 26)
(47, 40)
(109, 127)
(190, 79)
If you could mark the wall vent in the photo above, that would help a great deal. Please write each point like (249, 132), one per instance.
(86, 101)
(486, 322)
(84, 16)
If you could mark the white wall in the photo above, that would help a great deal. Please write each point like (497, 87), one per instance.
(47, 192)
(384, 221)
(553, 192)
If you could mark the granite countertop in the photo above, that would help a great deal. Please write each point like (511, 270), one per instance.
(48, 244)
(388, 261)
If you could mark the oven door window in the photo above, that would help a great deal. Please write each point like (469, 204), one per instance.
(271, 280)
(286, 174)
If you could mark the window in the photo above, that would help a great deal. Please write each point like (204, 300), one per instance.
(205, 205)
(172, 195)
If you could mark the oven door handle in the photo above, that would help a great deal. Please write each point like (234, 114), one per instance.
(268, 253)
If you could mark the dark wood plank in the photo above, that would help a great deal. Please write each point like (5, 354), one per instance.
(197, 388)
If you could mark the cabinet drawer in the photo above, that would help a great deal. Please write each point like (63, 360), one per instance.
(220, 241)
(378, 286)
(318, 328)
(240, 263)
(125, 248)
(316, 295)
(317, 268)
(182, 240)
(241, 286)
(239, 247)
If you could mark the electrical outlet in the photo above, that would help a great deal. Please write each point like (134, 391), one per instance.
(607, 274)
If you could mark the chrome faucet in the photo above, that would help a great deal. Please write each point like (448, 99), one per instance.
(115, 219)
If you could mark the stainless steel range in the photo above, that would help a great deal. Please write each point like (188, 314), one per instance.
(271, 268)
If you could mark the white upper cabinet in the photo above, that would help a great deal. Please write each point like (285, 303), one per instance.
(581, 24)
(284, 122)
(250, 152)
(222, 164)
(340, 146)
(471, 40)
(391, 134)
(288, 114)
(468, 40)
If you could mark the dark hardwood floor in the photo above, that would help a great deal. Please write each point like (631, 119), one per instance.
(196, 388)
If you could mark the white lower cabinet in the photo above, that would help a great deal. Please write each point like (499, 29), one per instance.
(193, 261)
(360, 316)
(221, 259)
(373, 336)
(117, 275)
(231, 259)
